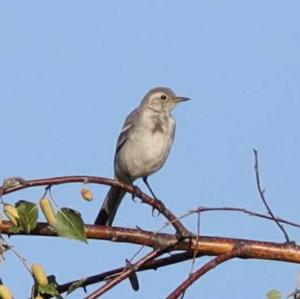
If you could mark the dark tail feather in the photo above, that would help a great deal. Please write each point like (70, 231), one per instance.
(110, 206)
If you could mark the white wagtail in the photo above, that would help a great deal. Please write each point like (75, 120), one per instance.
(143, 145)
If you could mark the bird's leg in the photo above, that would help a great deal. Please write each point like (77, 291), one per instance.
(145, 180)
(137, 192)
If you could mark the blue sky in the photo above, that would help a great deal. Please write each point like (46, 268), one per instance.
(71, 71)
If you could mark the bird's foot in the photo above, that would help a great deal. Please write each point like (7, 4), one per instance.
(155, 212)
(159, 209)
(136, 192)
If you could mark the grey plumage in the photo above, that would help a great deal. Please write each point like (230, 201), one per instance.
(143, 145)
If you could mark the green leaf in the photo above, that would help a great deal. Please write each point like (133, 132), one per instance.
(69, 224)
(50, 289)
(14, 229)
(77, 284)
(274, 294)
(28, 213)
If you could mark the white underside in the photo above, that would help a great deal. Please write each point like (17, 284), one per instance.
(145, 150)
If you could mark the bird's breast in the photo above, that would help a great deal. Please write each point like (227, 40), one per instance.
(147, 147)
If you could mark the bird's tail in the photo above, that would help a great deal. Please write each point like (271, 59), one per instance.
(110, 206)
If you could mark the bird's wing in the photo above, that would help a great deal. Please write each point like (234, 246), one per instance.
(128, 125)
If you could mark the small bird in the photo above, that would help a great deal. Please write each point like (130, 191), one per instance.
(143, 145)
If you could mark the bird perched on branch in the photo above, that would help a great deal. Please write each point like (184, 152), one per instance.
(143, 145)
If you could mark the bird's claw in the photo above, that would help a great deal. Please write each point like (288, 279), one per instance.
(136, 192)
(153, 212)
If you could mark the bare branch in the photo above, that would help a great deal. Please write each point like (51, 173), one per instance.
(212, 246)
(156, 204)
(263, 198)
(125, 274)
(241, 210)
(132, 269)
(150, 265)
(204, 269)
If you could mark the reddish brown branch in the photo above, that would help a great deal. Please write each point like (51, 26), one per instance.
(263, 198)
(204, 269)
(212, 246)
(156, 204)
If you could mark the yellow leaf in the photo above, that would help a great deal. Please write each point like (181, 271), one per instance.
(48, 211)
(39, 274)
(5, 292)
(12, 214)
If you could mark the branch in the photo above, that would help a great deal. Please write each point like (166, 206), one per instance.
(156, 204)
(262, 196)
(125, 274)
(132, 269)
(241, 210)
(223, 248)
(150, 265)
(205, 245)
(204, 269)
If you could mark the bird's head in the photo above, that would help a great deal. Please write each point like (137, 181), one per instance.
(162, 99)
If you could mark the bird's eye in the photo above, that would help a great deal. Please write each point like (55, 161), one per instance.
(163, 97)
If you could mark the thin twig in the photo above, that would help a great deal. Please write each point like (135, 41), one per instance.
(204, 269)
(132, 269)
(263, 198)
(195, 252)
(197, 238)
(241, 210)
(125, 274)
(202, 209)
(22, 259)
(150, 265)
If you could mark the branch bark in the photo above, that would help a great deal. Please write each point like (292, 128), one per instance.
(204, 245)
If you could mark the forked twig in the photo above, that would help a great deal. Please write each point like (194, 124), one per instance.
(263, 198)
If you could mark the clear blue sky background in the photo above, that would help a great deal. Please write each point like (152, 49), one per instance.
(70, 72)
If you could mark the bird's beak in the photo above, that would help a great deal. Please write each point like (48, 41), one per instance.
(181, 99)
